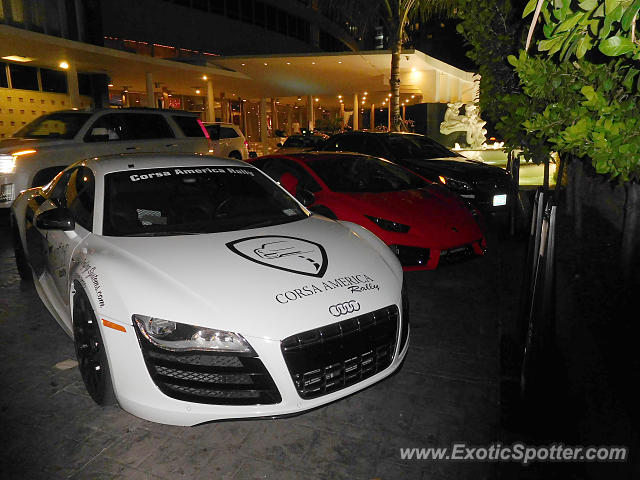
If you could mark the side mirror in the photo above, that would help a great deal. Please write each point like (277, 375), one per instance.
(56, 219)
(306, 198)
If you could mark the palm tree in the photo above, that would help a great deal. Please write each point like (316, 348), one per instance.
(395, 16)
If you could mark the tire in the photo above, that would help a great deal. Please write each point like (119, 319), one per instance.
(24, 269)
(235, 155)
(92, 358)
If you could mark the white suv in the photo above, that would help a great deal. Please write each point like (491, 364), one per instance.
(44, 147)
(227, 140)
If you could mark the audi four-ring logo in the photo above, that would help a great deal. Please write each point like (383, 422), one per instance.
(344, 308)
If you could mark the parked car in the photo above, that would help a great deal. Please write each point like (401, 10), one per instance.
(301, 143)
(423, 223)
(40, 150)
(227, 140)
(489, 188)
(196, 289)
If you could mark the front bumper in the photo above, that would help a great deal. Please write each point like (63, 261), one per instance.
(140, 395)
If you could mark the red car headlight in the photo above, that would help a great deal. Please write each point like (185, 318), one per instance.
(389, 225)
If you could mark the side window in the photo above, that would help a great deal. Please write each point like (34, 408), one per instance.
(214, 131)
(144, 126)
(190, 126)
(226, 132)
(80, 195)
(277, 167)
(107, 128)
(75, 190)
(351, 143)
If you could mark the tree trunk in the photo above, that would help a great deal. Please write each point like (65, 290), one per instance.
(394, 83)
(629, 228)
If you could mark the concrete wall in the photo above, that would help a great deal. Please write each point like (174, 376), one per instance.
(174, 25)
(19, 107)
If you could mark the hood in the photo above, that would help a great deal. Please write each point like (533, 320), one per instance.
(11, 144)
(433, 211)
(455, 167)
(268, 282)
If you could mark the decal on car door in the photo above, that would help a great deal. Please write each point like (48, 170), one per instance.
(290, 254)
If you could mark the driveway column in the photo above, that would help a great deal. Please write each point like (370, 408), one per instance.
(263, 124)
(310, 116)
(289, 119)
(151, 99)
(274, 115)
(372, 119)
(211, 102)
(72, 82)
(356, 111)
(342, 114)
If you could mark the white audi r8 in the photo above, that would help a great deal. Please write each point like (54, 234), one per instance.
(197, 289)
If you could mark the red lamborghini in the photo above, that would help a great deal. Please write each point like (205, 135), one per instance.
(422, 222)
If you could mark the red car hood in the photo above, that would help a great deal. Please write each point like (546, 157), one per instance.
(439, 214)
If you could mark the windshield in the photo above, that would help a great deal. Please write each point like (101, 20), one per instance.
(363, 174)
(56, 125)
(417, 146)
(189, 200)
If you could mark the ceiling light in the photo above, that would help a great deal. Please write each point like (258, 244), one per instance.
(64, 65)
(18, 58)
(339, 61)
(413, 96)
(317, 99)
(413, 69)
(365, 94)
(313, 63)
(198, 91)
(243, 64)
(339, 96)
(388, 95)
(110, 85)
(266, 63)
(204, 77)
(288, 63)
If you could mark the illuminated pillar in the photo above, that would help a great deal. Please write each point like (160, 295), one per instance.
(263, 123)
(389, 115)
(289, 119)
(372, 120)
(356, 111)
(436, 95)
(151, 100)
(310, 119)
(274, 115)
(211, 102)
(72, 82)
(342, 114)
(404, 113)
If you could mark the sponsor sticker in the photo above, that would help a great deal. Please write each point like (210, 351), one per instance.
(291, 254)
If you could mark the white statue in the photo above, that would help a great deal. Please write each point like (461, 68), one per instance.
(470, 122)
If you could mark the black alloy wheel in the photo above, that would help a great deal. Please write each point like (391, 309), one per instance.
(92, 359)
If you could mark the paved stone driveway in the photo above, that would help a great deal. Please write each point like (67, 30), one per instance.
(447, 391)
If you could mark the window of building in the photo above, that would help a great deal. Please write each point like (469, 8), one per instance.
(233, 9)
(271, 14)
(3, 75)
(23, 77)
(216, 6)
(258, 13)
(201, 5)
(17, 11)
(84, 84)
(53, 80)
(282, 22)
(247, 11)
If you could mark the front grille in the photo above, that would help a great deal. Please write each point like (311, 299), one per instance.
(457, 254)
(207, 377)
(335, 356)
(411, 256)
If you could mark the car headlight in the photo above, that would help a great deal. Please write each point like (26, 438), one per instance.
(7, 164)
(455, 185)
(389, 224)
(176, 336)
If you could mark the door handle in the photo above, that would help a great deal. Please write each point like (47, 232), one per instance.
(131, 148)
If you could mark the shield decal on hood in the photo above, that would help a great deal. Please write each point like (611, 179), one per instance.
(290, 254)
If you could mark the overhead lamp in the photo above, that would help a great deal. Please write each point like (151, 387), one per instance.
(265, 63)
(389, 95)
(288, 63)
(204, 77)
(64, 65)
(339, 96)
(413, 69)
(243, 64)
(413, 96)
(299, 98)
(110, 85)
(317, 99)
(339, 61)
(198, 91)
(313, 63)
(18, 58)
